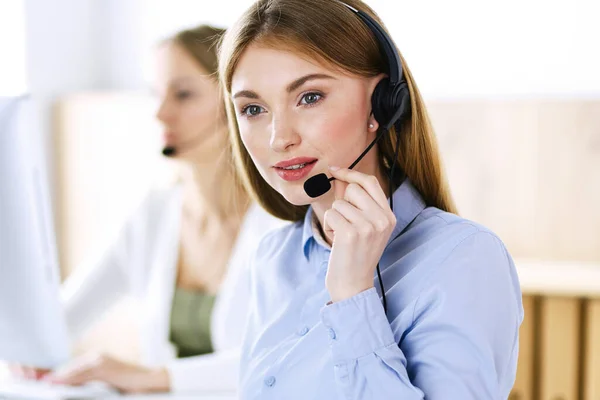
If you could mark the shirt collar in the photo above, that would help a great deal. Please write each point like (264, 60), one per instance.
(408, 203)
(307, 231)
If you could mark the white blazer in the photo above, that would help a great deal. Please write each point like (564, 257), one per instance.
(142, 262)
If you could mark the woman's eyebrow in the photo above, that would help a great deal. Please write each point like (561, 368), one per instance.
(246, 93)
(302, 80)
(290, 88)
(180, 80)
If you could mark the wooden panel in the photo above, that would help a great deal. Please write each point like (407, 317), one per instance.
(559, 348)
(523, 388)
(591, 378)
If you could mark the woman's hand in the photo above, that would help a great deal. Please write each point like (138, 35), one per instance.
(359, 224)
(123, 376)
(26, 372)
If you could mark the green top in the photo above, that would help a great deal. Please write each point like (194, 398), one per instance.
(190, 322)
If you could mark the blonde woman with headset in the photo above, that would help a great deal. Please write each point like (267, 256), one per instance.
(378, 290)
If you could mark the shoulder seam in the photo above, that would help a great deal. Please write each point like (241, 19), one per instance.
(477, 231)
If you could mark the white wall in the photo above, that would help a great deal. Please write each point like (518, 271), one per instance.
(12, 39)
(502, 48)
(455, 48)
(61, 58)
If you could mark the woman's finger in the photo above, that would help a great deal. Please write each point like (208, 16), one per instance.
(358, 196)
(339, 188)
(379, 217)
(78, 372)
(334, 222)
(368, 182)
(350, 212)
(374, 220)
(17, 370)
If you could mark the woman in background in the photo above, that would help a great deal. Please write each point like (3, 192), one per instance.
(184, 250)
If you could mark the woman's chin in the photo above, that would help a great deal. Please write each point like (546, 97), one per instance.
(296, 196)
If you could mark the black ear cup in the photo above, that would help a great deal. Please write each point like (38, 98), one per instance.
(379, 101)
(400, 100)
(390, 103)
(397, 94)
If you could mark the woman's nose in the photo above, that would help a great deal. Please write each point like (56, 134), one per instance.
(163, 113)
(283, 135)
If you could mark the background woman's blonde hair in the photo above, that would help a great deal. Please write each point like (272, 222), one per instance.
(329, 32)
(201, 43)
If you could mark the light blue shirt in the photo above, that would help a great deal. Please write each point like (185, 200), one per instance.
(451, 331)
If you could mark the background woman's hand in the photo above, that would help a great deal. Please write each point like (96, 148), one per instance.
(359, 224)
(128, 378)
(26, 372)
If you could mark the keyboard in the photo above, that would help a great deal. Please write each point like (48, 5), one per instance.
(26, 389)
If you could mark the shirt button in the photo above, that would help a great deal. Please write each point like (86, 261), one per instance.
(331, 333)
(303, 331)
(270, 381)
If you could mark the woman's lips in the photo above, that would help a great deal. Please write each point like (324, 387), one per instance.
(295, 169)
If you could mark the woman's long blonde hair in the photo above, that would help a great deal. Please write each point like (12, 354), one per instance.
(201, 43)
(327, 31)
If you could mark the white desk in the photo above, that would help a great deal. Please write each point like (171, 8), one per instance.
(179, 397)
(559, 278)
(159, 397)
(5, 376)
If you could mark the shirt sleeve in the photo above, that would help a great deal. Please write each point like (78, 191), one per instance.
(98, 283)
(462, 343)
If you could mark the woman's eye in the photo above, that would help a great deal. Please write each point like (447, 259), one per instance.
(183, 95)
(251, 110)
(310, 98)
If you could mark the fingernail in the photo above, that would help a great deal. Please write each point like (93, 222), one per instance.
(334, 168)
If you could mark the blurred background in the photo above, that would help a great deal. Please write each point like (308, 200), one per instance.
(513, 91)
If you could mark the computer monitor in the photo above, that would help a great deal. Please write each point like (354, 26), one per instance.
(33, 329)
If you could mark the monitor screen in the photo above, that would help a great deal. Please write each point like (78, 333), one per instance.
(32, 325)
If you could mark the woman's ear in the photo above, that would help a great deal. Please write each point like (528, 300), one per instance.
(372, 124)
(375, 80)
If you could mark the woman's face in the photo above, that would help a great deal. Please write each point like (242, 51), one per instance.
(297, 117)
(190, 109)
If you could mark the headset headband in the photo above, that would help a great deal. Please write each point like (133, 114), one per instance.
(385, 42)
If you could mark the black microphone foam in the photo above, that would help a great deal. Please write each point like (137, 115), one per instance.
(169, 151)
(317, 185)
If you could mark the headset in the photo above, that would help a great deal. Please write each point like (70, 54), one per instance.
(390, 104)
